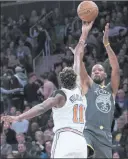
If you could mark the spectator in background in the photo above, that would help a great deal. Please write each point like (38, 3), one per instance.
(10, 134)
(43, 12)
(12, 111)
(22, 139)
(120, 123)
(24, 55)
(117, 114)
(24, 25)
(102, 24)
(125, 87)
(125, 15)
(65, 63)
(3, 59)
(18, 80)
(52, 78)
(48, 135)
(12, 47)
(33, 18)
(41, 39)
(30, 90)
(116, 155)
(121, 99)
(33, 128)
(5, 98)
(23, 153)
(124, 140)
(6, 78)
(6, 149)
(35, 151)
(39, 137)
(57, 69)
(48, 146)
(67, 30)
(12, 60)
(57, 16)
(50, 124)
(11, 155)
(20, 126)
(27, 108)
(48, 87)
(15, 32)
(20, 76)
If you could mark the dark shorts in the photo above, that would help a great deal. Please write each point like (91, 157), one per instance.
(95, 148)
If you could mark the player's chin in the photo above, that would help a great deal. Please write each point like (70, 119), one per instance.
(97, 80)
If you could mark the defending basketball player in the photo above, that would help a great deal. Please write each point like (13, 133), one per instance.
(68, 106)
(100, 103)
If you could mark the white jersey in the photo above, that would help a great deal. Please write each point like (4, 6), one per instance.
(72, 114)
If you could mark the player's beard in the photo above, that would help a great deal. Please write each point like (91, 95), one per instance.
(98, 80)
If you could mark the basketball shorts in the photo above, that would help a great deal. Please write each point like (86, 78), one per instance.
(69, 144)
(100, 150)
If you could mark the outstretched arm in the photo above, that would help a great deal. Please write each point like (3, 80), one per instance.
(57, 101)
(79, 67)
(115, 75)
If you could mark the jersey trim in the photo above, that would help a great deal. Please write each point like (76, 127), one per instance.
(65, 129)
(57, 135)
(91, 150)
(59, 92)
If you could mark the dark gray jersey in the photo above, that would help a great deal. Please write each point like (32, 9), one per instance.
(99, 112)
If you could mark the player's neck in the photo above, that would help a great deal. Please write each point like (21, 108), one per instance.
(102, 84)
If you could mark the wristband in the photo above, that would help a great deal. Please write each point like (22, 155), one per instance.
(107, 44)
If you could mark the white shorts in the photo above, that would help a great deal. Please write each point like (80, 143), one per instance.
(69, 144)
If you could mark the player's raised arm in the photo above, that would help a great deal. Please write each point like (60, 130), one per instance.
(115, 75)
(39, 109)
(79, 67)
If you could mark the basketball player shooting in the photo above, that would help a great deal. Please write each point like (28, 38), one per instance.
(101, 102)
(68, 106)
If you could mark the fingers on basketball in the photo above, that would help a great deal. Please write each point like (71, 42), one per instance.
(87, 23)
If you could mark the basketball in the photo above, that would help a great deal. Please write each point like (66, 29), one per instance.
(87, 11)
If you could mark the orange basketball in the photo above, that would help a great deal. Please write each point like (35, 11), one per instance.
(87, 11)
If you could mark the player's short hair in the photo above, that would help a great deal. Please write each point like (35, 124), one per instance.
(68, 78)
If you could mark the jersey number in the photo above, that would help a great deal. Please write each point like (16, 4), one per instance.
(78, 114)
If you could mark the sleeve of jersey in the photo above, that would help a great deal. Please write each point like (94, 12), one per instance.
(59, 92)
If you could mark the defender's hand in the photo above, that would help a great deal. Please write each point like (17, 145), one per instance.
(106, 32)
(10, 118)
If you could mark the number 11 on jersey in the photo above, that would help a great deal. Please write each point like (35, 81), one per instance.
(78, 114)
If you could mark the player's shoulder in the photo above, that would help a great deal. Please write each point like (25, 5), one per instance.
(109, 86)
(59, 92)
(49, 84)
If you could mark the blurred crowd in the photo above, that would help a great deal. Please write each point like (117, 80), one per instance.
(21, 88)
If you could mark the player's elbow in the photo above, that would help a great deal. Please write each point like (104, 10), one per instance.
(116, 69)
